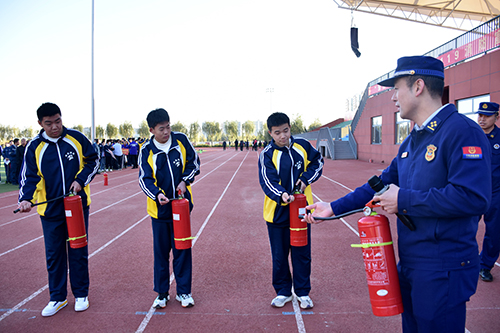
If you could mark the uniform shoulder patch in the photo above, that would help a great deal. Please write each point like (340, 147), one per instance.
(471, 152)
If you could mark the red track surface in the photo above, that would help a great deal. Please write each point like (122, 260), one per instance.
(231, 262)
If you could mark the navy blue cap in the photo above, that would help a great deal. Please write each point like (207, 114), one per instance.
(487, 108)
(417, 65)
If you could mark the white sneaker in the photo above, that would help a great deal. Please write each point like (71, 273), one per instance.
(81, 303)
(186, 300)
(280, 301)
(305, 302)
(160, 303)
(53, 306)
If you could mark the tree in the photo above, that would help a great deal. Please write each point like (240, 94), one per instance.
(315, 124)
(26, 133)
(231, 128)
(79, 128)
(86, 131)
(111, 131)
(99, 132)
(127, 130)
(211, 129)
(194, 132)
(179, 127)
(297, 126)
(248, 129)
(8, 133)
(264, 134)
(143, 130)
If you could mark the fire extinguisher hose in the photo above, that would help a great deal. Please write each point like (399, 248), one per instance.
(337, 216)
(44, 202)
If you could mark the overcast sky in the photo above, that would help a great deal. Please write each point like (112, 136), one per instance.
(208, 60)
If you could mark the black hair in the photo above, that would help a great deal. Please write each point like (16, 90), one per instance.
(277, 119)
(434, 84)
(47, 110)
(157, 116)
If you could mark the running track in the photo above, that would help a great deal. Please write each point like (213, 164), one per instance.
(231, 262)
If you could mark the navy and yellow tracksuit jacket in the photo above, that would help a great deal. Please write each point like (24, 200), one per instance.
(49, 168)
(161, 173)
(279, 170)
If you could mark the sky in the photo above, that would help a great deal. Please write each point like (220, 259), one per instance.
(201, 60)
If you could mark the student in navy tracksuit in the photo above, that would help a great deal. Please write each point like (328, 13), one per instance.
(168, 164)
(58, 161)
(284, 164)
(487, 117)
(441, 179)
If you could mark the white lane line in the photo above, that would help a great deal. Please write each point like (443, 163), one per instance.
(152, 310)
(336, 182)
(36, 293)
(298, 314)
(19, 219)
(20, 246)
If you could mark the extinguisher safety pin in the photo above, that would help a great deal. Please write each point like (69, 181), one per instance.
(184, 239)
(368, 245)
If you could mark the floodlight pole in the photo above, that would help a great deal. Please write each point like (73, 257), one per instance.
(270, 91)
(92, 128)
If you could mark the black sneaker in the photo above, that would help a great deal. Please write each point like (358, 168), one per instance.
(485, 275)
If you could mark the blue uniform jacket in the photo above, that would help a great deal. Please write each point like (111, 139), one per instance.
(494, 139)
(161, 173)
(49, 168)
(444, 177)
(279, 170)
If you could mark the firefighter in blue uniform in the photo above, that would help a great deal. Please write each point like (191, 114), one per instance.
(487, 116)
(441, 180)
(284, 164)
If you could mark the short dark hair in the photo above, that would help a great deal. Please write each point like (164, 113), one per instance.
(434, 84)
(47, 110)
(277, 119)
(157, 116)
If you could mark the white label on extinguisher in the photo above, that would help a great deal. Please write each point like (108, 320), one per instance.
(68, 213)
(302, 211)
(382, 292)
(177, 217)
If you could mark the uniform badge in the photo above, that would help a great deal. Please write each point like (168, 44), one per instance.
(429, 155)
(404, 154)
(496, 146)
(474, 153)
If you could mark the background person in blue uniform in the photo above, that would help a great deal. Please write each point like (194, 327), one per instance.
(487, 116)
(441, 180)
(58, 161)
(284, 164)
(168, 163)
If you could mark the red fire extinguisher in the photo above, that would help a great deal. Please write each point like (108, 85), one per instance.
(380, 265)
(75, 222)
(105, 175)
(182, 223)
(298, 229)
